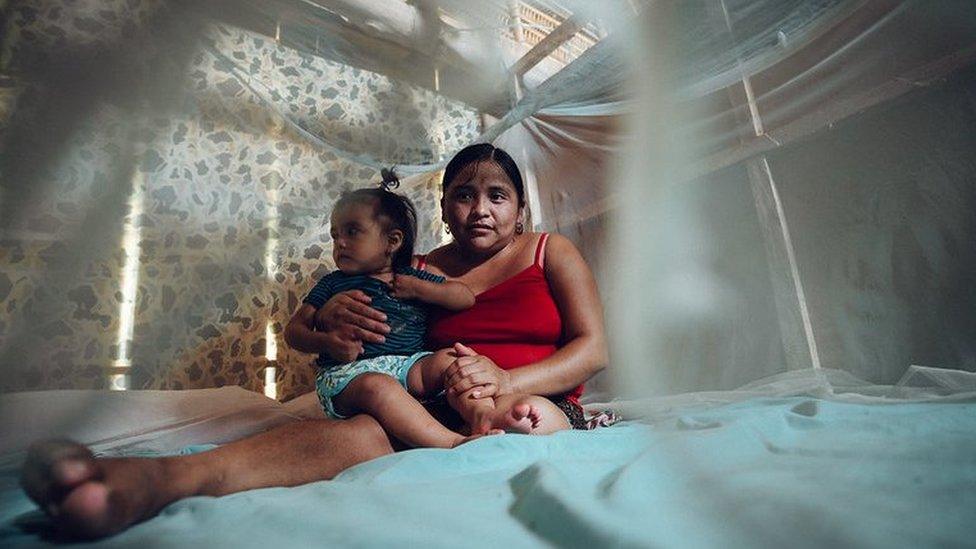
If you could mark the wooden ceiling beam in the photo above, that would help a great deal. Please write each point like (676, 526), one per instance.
(547, 45)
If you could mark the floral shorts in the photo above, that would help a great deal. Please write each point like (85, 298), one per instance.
(331, 381)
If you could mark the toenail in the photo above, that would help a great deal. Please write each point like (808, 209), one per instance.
(72, 470)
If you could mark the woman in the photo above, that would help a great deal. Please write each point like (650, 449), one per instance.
(547, 345)
(537, 324)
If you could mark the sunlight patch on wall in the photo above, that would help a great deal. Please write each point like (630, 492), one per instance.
(118, 375)
(271, 269)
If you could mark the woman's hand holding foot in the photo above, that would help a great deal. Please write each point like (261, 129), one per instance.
(472, 370)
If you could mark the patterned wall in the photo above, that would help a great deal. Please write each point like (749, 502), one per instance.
(230, 202)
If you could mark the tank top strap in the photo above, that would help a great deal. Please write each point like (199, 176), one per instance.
(540, 251)
(421, 262)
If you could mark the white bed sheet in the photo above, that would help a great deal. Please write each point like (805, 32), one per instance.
(800, 460)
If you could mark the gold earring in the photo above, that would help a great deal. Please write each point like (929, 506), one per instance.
(519, 228)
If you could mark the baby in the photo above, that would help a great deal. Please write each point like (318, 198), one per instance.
(373, 233)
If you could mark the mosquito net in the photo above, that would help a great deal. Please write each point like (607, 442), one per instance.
(763, 187)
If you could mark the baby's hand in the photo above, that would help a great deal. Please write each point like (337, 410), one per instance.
(405, 287)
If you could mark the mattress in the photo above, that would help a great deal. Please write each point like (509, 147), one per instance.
(792, 462)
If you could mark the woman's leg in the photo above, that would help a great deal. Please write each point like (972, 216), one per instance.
(96, 497)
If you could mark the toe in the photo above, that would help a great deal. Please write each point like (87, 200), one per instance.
(520, 411)
(53, 467)
(535, 415)
(71, 472)
(85, 511)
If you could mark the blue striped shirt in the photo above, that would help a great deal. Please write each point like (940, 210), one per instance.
(407, 319)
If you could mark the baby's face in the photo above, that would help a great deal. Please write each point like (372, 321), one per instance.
(359, 243)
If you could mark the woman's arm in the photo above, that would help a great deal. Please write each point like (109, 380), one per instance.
(300, 332)
(301, 336)
(584, 352)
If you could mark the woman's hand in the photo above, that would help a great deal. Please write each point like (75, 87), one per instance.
(350, 312)
(340, 346)
(342, 333)
(471, 370)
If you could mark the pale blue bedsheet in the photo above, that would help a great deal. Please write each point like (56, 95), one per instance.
(766, 472)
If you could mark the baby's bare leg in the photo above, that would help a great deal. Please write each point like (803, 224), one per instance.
(426, 377)
(400, 414)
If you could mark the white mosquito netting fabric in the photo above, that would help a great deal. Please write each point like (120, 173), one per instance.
(668, 152)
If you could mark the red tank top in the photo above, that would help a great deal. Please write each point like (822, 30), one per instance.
(514, 323)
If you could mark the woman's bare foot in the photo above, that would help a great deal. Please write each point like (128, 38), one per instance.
(522, 417)
(90, 497)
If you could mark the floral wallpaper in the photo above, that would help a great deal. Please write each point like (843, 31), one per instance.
(183, 189)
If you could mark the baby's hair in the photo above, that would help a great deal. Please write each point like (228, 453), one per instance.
(390, 179)
(396, 210)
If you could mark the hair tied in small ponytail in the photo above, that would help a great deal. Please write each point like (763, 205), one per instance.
(390, 179)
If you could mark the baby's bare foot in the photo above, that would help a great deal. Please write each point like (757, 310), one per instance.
(522, 417)
(90, 497)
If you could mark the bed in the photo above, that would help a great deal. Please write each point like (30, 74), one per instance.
(806, 458)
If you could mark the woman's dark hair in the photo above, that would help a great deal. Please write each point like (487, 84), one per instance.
(396, 209)
(473, 154)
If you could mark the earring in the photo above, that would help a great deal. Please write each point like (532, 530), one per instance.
(519, 228)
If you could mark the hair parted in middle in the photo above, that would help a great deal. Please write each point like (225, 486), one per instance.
(472, 154)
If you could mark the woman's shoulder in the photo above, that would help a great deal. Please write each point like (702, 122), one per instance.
(559, 252)
(438, 253)
(543, 242)
(436, 260)
(556, 240)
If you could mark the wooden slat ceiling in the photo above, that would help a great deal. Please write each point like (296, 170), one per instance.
(551, 40)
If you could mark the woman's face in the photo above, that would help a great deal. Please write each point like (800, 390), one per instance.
(481, 208)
